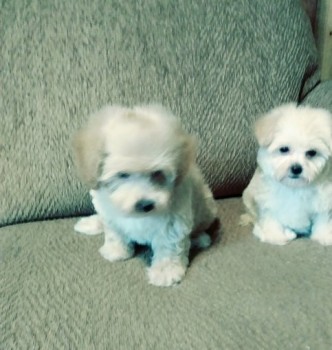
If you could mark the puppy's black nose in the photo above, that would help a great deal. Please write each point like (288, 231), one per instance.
(144, 205)
(296, 169)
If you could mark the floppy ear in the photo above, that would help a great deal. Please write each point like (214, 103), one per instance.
(187, 156)
(265, 127)
(331, 137)
(88, 151)
(330, 145)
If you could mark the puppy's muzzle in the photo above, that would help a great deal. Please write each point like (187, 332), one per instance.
(144, 206)
(296, 170)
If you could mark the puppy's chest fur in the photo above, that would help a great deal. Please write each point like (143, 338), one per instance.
(293, 208)
(142, 229)
(146, 230)
(298, 208)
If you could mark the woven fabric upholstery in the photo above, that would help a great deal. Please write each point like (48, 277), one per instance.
(321, 96)
(216, 64)
(58, 293)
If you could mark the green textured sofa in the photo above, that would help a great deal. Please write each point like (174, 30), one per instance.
(218, 65)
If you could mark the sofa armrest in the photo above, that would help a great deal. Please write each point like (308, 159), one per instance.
(320, 96)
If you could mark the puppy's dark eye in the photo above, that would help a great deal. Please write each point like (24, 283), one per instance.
(158, 177)
(311, 153)
(123, 175)
(284, 149)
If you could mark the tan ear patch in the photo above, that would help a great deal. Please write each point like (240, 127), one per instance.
(266, 126)
(265, 129)
(187, 156)
(88, 150)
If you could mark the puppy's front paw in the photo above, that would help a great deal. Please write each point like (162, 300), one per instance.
(274, 234)
(166, 273)
(116, 250)
(246, 219)
(323, 237)
(90, 225)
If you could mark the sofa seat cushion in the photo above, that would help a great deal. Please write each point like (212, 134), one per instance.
(58, 293)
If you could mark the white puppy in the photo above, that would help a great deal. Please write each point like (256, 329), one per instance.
(291, 191)
(145, 186)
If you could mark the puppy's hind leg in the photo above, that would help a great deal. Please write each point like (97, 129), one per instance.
(250, 216)
(201, 241)
(209, 234)
(90, 225)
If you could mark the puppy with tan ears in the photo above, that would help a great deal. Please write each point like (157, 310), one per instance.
(145, 186)
(291, 191)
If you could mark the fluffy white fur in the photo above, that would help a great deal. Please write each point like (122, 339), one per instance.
(290, 193)
(145, 186)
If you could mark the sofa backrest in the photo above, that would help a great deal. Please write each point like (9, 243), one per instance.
(216, 64)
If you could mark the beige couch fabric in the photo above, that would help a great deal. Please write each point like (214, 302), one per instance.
(216, 64)
(57, 292)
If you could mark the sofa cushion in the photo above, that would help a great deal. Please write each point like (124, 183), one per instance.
(57, 292)
(320, 96)
(216, 64)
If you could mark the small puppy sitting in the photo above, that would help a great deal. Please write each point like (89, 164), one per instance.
(290, 193)
(145, 186)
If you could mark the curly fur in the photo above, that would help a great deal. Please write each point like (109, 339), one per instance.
(145, 186)
(290, 193)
